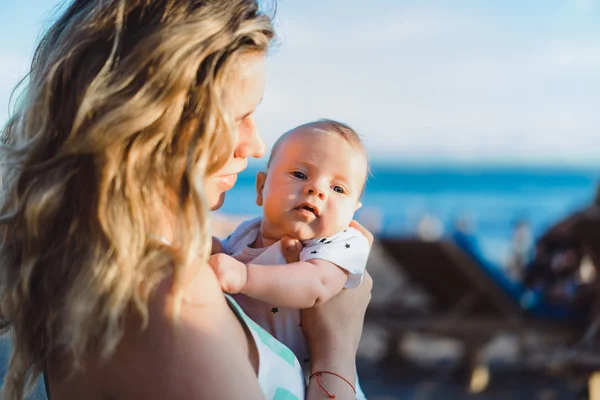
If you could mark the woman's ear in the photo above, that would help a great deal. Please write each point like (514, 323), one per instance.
(358, 205)
(261, 178)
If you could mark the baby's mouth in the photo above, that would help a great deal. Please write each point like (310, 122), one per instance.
(308, 208)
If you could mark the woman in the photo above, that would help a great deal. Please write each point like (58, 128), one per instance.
(137, 118)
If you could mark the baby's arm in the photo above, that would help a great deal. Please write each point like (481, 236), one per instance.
(327, 265)
(302, 284)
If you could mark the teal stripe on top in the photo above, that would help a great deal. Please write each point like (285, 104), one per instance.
(275, 345)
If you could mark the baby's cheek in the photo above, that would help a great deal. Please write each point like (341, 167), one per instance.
(348, 213)
(336, 222)
(272, 215)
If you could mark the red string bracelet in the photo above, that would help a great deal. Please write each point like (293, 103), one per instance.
(320, 373)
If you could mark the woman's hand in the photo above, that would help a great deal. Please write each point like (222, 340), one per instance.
(339, 321)
(336, 325)
(354, 224)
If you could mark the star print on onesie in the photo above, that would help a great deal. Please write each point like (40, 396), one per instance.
(349, 250)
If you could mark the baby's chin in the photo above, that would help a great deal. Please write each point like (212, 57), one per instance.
(303, 231)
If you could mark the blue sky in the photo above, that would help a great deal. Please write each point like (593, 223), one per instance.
(423, 81)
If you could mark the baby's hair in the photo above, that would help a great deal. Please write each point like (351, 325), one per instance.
(328, 126)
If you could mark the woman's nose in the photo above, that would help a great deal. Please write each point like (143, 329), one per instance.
(250, 142)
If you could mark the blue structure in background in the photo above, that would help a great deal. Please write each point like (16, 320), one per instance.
(5, 348)
(530, 301)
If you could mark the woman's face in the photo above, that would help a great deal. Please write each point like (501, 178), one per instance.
(241, 98)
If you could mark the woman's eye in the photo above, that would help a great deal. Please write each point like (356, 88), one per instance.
(299, 175)
(338, 189)
(242, 120)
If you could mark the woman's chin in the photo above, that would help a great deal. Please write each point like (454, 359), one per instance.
(217, 202)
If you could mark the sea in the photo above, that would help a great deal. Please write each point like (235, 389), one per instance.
(491, 200)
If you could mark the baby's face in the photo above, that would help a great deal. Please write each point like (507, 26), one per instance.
(312, 187)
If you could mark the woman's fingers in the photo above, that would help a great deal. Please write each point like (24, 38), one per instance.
(367, 281)
(354, 224)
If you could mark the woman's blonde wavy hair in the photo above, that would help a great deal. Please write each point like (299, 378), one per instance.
(124, 104)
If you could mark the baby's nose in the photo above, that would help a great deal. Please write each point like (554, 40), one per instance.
(317, 192)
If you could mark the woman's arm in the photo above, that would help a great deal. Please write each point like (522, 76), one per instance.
(343, 364)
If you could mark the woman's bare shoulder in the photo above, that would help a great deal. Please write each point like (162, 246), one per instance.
(204, 355)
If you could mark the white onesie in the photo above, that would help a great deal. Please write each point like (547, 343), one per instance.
(348, 250)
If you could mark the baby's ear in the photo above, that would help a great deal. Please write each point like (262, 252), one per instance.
(261, 178)
(358, 205)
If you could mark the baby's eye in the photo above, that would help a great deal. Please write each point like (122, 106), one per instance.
(299, 175)
(338, 189)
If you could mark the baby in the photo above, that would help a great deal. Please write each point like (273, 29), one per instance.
(310, 190)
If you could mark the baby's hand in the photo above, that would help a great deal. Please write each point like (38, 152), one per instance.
(230, 272)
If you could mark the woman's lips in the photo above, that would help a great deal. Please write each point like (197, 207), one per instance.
(226, 182)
